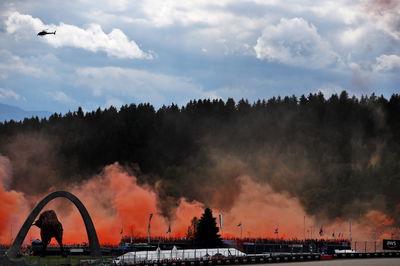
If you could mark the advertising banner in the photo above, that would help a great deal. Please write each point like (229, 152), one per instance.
(390, 244)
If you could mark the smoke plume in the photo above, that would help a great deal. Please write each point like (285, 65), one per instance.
(119, 206)
(13, 204)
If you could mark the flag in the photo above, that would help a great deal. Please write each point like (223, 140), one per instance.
(276, 231)
(240, 224)
(220, 221)
(321, 231)
(131, 234)
(169, 229)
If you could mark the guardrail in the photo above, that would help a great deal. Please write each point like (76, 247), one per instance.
(266, 259)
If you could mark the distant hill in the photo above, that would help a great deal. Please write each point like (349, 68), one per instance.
(8, 112)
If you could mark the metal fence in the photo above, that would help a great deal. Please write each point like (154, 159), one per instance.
(314, 247)
(180, 255)
(70, 260)
(367, 246)
(267, 250)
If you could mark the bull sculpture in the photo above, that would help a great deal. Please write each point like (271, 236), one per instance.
(50, 227)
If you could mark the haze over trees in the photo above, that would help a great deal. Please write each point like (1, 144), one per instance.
(339, 155)
(192, 229)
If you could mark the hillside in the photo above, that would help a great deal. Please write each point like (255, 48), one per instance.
(8, 112)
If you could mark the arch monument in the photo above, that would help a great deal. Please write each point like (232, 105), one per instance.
(94, 245)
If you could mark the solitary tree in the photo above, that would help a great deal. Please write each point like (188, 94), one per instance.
(207, 235)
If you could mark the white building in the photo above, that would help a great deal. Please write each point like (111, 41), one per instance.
(175, 254)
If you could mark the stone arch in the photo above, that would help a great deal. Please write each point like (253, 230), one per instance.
(91, 231)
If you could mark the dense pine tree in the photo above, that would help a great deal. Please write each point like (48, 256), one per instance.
(207, 231)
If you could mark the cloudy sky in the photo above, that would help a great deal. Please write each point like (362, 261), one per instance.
(170, 51)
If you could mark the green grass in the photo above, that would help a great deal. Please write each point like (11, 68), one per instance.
(70, 260)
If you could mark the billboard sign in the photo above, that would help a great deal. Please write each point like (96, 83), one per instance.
(390, 244)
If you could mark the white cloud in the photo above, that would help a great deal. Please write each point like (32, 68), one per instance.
(386, 16)
(22, 23)
(61, 97)
(115, 5)
(139, 85)
(294, 42)
(236, 92)
(13, 63)
(93, 38)
(226, 34)
(328, 89)
(375, 32)
(7, 94)
(168, 12)
(112, 101)
(352, 36)
(387, 62)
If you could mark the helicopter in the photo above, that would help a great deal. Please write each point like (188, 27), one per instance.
(45, 32)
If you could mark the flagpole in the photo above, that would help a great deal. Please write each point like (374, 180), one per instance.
(350, 230)
(11, 234)
(121, 232)
(131, 234)
(276, 232)
(220, 223)
(304, 228)
(241, 229)
(148, 228)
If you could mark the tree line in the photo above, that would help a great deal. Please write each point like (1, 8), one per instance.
(342, 152)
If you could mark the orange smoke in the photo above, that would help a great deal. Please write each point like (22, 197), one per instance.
(13, 205)
(119, 206)
(261, 211)
(378, 224)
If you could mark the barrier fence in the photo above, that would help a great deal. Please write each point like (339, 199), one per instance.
(256, 251)
(368, 246)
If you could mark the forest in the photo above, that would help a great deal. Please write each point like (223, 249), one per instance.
(338, 155)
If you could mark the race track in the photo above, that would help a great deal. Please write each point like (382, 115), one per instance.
(346, 262)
